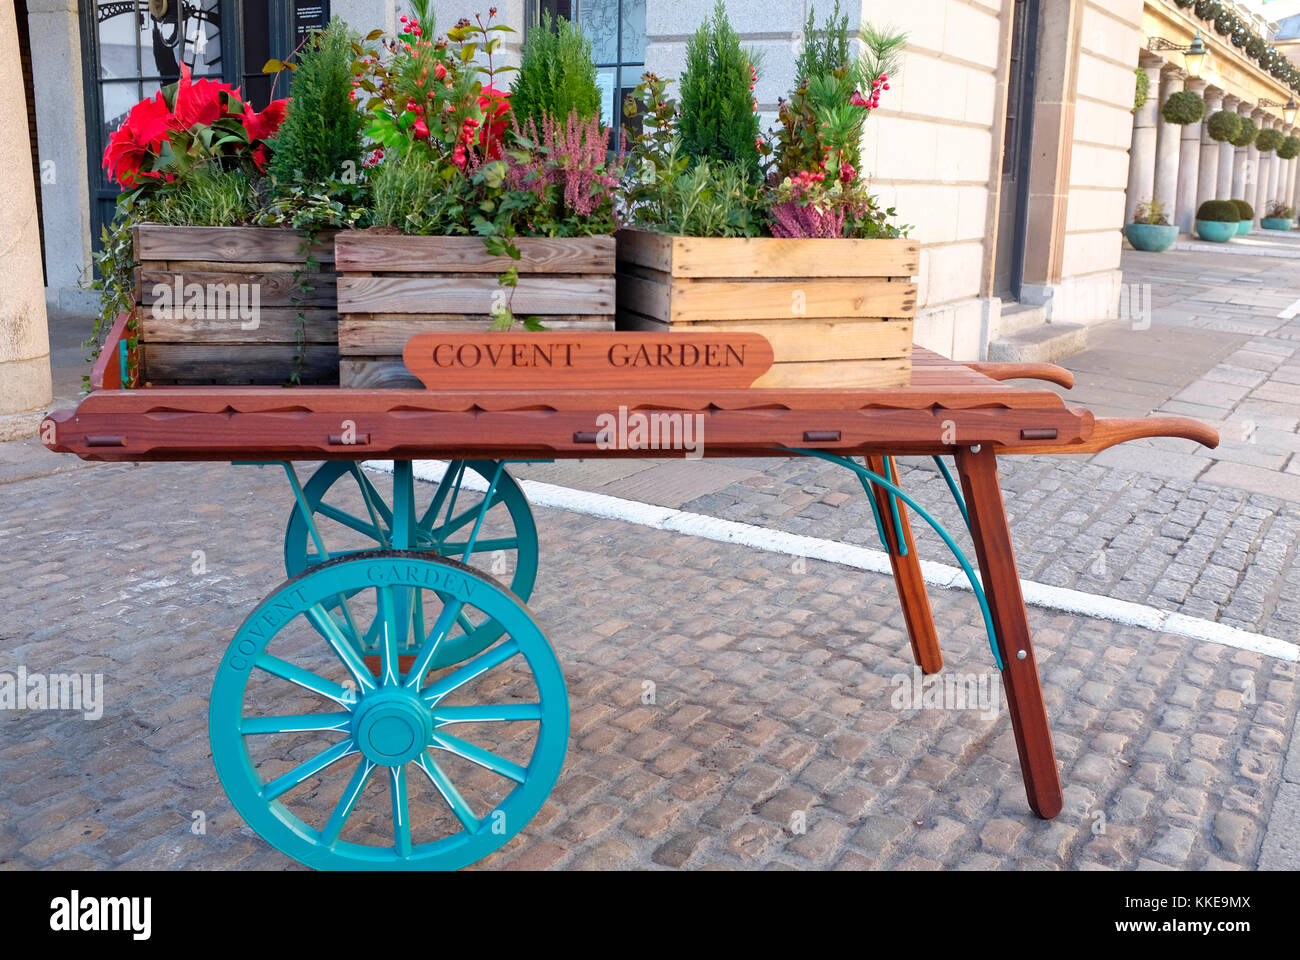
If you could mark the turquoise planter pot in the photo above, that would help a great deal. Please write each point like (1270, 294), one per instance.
(1275, 223)
(1215, 231)
(1151, 237)
(1243, 228)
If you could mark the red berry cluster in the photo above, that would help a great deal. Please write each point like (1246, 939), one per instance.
(877, 85)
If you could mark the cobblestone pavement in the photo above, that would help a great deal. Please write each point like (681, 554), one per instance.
(773, 687)
(773, 680)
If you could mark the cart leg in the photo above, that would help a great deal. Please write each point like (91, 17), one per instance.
(979, 478)
(907, 574)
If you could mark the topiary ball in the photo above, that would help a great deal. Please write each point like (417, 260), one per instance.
(1218, 211)
(1223, 126)
(1244, 210)
(1269, 140)
(1290, 148)
(1183, 107)
(1247, 134)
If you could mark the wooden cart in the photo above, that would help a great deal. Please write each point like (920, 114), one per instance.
(418, 628)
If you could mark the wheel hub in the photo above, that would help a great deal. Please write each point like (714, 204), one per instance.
(392, 727)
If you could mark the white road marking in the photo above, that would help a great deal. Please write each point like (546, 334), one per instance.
(861, 558)
(1291, 312)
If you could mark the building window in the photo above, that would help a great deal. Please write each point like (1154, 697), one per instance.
(616, 29)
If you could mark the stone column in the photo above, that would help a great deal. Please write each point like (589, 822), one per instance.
(1292, 168)
(1142, 154)
(1189, 167)
(1168, 137)
(24, 339)
(1255, 193)
(1207, 186)
(1273, 167)
(1227, 154)
(1241, 171)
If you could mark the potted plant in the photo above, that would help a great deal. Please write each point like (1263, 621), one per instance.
(1245, 216)
(1278, 217)
(1216, 221)
(779, 235)
(481, 211)
(1151, 230)
(208, 251)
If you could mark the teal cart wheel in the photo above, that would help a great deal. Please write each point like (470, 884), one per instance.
(351, 515)
(340, 768)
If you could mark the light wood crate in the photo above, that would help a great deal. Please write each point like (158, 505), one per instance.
(838, 313)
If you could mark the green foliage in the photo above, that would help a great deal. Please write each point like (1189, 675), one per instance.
(400, 189)
(1247, 134)
(1219, 211)
(1290, 148)
(719, 121)
(1223, 126)
(1143, 91)
(1280, 210)
(1269, 139)
(668, 193)
(207, 197)
(1184, 107)
(825, 50)
(1244, 210)
(556, 75)
(1151, 212)
(320, 139)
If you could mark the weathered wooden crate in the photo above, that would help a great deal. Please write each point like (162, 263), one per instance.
(392, 287)
(184, 340)
(838, 313)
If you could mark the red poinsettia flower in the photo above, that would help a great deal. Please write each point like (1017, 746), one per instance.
(137, 140)
(495, 105)
(199, 102)
(261, 126)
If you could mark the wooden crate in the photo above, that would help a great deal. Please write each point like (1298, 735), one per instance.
(392, 287)
(838, 313)
(206, 344)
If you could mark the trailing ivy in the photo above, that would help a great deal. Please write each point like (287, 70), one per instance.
(1143, 92)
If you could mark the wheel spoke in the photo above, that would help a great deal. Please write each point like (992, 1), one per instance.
(488, 713)
(451, 478)
(468, 671)
(301, 723)
(476, 754)
(374, 502)
(306, 679)
(401, 811)
(442, 783)
(356, 523)
(351, 794)
(429, 649)
(458, 521)
(286, 782)
(395, 615)
(481, 546)
(343, 648)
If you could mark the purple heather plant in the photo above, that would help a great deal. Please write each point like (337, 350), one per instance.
(567, 167)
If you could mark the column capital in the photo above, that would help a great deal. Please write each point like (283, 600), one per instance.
(1170, 73)
(1213, 93)
(1195, 84)
(1230, 102)
(1150, 61)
